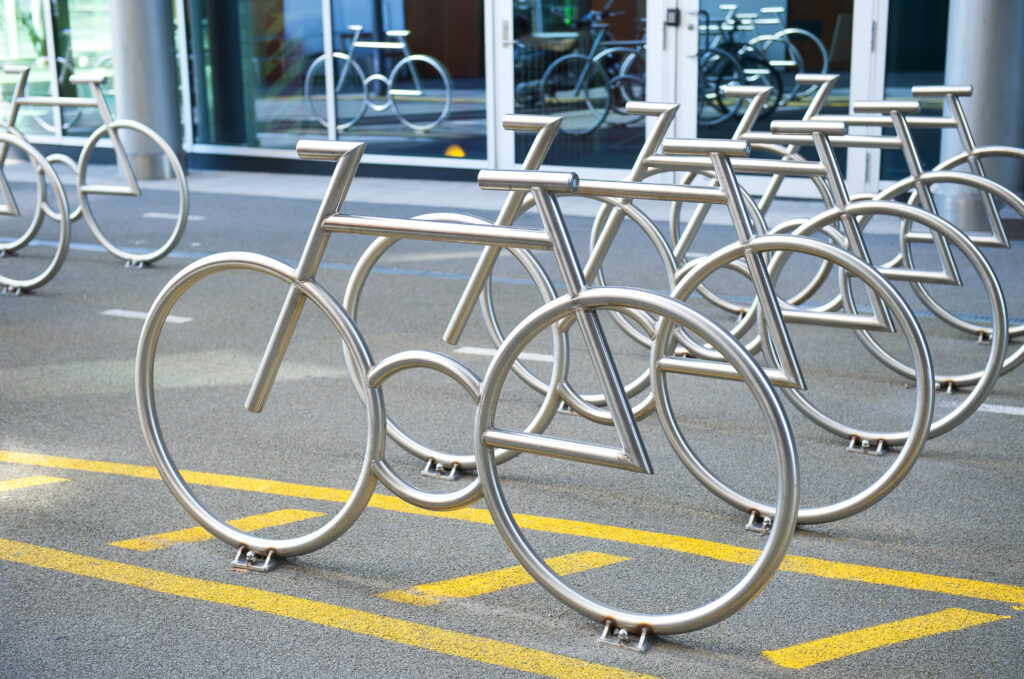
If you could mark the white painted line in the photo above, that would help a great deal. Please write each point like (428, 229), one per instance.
(1001, 410)
(172, 215)
(984, 408)
(526, 355)
(141, 315)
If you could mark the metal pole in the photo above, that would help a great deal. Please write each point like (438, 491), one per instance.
(984, 49)
(145, 79)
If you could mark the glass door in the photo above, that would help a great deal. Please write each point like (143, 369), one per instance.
(750, 42)
(583, 60)
(408, 78)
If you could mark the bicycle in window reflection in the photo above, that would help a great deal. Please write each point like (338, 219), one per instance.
(418, 90)
(590, 89)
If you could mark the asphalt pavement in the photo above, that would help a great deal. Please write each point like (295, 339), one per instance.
(104, 573)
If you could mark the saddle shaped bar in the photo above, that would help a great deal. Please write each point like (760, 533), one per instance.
(887, 106)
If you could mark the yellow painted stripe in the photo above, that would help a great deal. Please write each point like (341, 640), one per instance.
(448, 642)
(200, 534)
(28, 482)
(493, 581)
(976, 589)
(850, 643)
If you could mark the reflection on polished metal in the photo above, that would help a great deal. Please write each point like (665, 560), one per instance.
(111, 130)
(583, 305)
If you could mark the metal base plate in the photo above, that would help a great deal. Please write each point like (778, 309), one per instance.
(250, 561)
(614, 636)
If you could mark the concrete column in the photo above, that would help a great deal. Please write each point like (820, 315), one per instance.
(146, 78)
(985, 48)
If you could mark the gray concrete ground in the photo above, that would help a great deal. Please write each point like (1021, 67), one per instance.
(102, 575)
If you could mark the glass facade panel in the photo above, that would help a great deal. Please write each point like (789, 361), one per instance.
(915, 54)
(247, 60)
(411, 81)
(747, 43)
(80, 31)
(407, 77)
(583, 60)
(23, 43)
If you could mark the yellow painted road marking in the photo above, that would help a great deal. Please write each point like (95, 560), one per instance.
(493, 581)
(850, 643)
(28, 482)
(400, 631)
(976, 589)
(200, 534)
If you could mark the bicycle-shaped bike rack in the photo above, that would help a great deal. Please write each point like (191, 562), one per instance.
(120, 133)
(418, 89)
(614, 209)
(949, 259)
(496, 440)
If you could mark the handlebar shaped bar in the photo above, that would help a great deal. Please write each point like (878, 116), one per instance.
(903, 107)
(827, 128)
(942, 90)
(87, 79)
(525, 122)
(311, 149)
(701, 147)
(815, 78)
(746, 91)
(648, 108)
(524, 180)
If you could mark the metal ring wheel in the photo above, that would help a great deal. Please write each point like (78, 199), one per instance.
(981, 152)
(747, 313)
(466, 379)
(354, 292)
(717, 67)
(85, 190)
(607, 222)
(1006, 153)
(683, 242)
(670, 313)
(10, 136)
(53, 159)
(350, 92)
(980, 381)
(635, 325)
(63, 73)
(762, 44)
(626, 83)
(683, 239)
(911, 440)
(415, 86)
(982, 185)
(575, 88)
(44, 173)
(355, 347)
